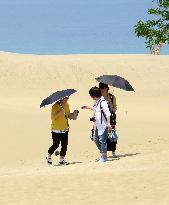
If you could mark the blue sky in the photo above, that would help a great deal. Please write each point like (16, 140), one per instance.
(72, 26)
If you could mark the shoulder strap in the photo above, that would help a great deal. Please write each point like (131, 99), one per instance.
(102, 112)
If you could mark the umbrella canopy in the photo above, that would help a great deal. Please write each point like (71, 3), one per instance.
(116, 81)
(57, 96)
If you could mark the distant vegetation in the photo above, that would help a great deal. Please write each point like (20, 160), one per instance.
(155, 30)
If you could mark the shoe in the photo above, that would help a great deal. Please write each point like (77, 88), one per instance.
(57, 153)
(63, 162)
(114, 155)
(101, 159)
(97, 159)
(49, 160)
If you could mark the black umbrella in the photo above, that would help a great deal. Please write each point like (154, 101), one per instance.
(115, 81)
(57, 96)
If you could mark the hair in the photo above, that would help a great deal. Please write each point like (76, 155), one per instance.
(95, 92)
(103, 85)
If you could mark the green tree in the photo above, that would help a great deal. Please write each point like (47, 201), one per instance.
(155, 30)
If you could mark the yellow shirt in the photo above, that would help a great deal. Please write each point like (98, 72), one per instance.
(60, 123)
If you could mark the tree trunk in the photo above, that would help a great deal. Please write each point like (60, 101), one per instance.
(156, 49)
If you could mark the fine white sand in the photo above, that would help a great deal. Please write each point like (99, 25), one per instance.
(141, 174)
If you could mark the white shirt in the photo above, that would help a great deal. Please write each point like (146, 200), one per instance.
(101, 103)
(59, 131)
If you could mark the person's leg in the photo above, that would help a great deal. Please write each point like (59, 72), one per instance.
(96, 140)
(114, 149)
(56, 142)
(109, 145)
(64, 144)
(103, 144)
(114, 143)
(114, 146)
(55, 145)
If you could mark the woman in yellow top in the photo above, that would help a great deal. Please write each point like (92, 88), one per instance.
(59, 128)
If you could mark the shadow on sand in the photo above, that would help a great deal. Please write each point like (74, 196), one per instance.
(120, 156)
(70, 163)
(109, 158)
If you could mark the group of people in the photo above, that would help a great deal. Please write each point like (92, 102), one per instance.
(104, 124)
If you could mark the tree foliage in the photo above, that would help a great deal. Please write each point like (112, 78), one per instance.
(155, 30)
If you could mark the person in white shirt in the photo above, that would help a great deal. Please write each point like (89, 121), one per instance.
(101, 122)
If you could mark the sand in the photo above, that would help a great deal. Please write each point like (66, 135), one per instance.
(140, 176)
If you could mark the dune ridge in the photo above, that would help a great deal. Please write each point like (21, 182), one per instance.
(138, 177)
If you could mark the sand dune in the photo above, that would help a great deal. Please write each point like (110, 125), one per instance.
(140, 175)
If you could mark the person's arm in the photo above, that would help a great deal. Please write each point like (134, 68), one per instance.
(70, 116)
(58, 113)
(108, 122)
(86, 107)
(110, 104)
(74, 115)
(106, 111)
(114, 104)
